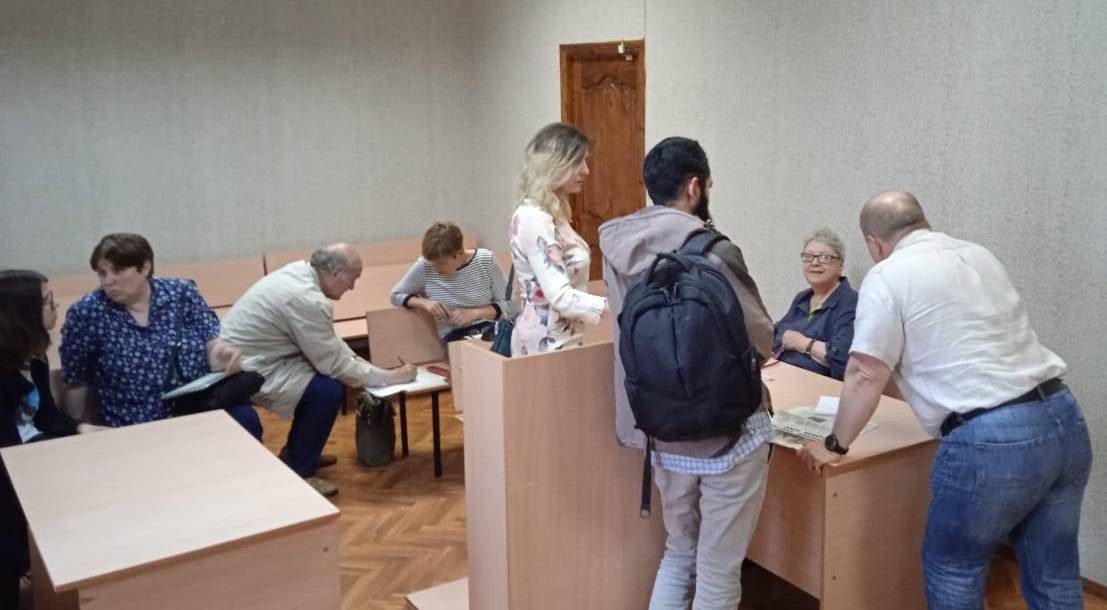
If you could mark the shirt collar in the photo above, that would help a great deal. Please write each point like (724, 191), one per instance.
(912, 238)
(831, 301)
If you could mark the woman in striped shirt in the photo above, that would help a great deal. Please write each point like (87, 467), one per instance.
(463, 289)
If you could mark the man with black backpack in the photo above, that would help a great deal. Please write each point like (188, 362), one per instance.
(692, 332)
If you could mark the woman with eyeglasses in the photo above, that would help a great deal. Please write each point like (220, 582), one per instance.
(27, 410)
(817, 330)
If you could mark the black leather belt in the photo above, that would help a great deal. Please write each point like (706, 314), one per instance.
(1041, 392)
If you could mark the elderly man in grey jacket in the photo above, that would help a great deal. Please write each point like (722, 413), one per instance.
(284, 325)
(711, 490)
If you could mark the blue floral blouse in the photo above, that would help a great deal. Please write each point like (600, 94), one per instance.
(131, 366)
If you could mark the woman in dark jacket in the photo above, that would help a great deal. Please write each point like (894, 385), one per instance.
(817, 330)
(27, 409)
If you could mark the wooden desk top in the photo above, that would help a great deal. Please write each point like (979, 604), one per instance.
(107, 503)
(897, 428)
(372, 291)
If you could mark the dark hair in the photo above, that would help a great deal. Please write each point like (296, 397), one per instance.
(123, 250)
(669, 164)
(23, 332)
(442, 240)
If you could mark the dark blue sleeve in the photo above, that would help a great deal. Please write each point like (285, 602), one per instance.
(785, 323)
(78, 349)
(199, 326)
(841, 335)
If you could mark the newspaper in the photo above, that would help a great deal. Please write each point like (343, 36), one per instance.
(795, 426)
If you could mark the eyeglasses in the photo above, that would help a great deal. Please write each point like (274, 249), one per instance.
(825, 259)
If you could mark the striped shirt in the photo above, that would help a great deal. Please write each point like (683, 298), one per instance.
(758, 430)
(478, 283)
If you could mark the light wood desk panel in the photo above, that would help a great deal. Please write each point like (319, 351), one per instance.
(851, 536)
(118, 514)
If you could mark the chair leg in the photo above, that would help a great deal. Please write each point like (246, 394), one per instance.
(403, 423)
(437, 435)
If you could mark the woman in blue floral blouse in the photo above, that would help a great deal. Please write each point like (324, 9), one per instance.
(138, 336)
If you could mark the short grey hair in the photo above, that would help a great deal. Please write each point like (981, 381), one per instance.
(329, 260)
(829, 238)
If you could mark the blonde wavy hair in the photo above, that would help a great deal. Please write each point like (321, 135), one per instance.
(551, 156)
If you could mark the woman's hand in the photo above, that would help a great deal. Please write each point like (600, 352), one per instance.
(223, 356)
(437, 310)
(793, 340)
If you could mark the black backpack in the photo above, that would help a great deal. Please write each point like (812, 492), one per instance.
(691, 373)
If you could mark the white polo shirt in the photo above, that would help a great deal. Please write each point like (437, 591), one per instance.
(943, 315)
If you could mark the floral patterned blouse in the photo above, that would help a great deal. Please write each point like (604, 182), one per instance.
(131, 366)
(552, 264)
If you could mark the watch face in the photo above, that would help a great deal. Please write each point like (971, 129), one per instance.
(831, 443)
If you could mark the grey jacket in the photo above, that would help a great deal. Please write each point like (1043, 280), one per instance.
(284, 326)
(630, 244)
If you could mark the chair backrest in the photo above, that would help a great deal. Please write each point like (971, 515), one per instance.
(221, 282)
(397, 333)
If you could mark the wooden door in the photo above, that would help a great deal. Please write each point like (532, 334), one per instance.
(603, 93)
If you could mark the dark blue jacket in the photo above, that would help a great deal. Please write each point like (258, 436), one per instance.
(832, 324)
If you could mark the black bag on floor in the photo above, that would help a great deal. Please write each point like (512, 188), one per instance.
(375, 433)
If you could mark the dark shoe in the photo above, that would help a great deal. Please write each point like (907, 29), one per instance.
(323, 486)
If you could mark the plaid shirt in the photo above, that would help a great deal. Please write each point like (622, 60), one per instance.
(759, 429)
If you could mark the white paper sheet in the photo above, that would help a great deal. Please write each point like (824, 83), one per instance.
(424, 380)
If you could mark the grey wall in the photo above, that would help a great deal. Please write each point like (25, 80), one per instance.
(223, 128)
(992, 112)
(517, 66)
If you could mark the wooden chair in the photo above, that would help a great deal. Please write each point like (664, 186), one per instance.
(403, 335)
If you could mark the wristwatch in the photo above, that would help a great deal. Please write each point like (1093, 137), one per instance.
(807, 350)
(831, 444)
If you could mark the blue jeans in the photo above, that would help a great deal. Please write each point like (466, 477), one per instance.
(1020, 471)
(311, 424)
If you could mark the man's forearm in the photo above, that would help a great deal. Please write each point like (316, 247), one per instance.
(864, 382)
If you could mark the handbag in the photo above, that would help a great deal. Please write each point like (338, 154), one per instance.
(374, 431)
(232, 390)
(504, 327)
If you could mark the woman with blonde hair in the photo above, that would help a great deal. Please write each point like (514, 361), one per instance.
(551, 261)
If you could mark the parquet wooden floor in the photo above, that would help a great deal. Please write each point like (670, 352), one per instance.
(402, 530)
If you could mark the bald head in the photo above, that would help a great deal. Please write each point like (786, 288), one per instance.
(891, 215)
(335, 258)
(338, 266)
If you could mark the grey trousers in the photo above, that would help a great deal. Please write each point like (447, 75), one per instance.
(709, 521)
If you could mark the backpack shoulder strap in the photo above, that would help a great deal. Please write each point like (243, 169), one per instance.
(701, 241)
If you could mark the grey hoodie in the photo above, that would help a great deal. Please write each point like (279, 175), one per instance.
(630, 244)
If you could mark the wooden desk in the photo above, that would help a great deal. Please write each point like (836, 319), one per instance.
(851, 537)
(389, 252)
(185, 513)
(551, 498)
(397, 334)
(220, 282)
